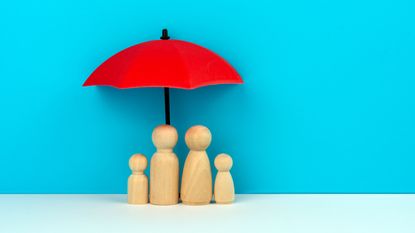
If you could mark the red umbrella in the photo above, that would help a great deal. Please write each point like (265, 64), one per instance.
(164, 63)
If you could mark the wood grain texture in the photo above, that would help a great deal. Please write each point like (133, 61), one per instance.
(138, 181)
(164, 169)
(196, 186)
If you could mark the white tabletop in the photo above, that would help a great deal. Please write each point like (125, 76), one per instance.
(250, 213)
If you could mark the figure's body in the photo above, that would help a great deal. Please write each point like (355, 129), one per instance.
(138, 181)
(224, 190)
(164, 169)
(196, 186)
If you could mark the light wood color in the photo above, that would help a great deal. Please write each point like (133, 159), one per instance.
(138, 181)
(224, 190)
(196, 186)
(164, 169)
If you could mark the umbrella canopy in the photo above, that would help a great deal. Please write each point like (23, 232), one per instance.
(164, 63)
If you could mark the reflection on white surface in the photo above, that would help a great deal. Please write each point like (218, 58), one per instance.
(251, 213)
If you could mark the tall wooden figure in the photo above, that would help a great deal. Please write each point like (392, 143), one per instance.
(196, 186)
(138, 181)
(224, 190)
(164, 169)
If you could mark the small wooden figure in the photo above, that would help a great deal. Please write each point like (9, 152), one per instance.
(196, 186)
(164, 169)
(138, 181)
(224, 190)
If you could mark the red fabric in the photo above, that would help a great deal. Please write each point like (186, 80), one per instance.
(164, 63)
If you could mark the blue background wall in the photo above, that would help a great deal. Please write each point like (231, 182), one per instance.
(328, 103)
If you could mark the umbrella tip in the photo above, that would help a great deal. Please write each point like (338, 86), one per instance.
(164, 34)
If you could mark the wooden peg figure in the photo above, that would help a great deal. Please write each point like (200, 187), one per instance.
(196, 186)
(224, 190)
(138, 181)
(164, 169)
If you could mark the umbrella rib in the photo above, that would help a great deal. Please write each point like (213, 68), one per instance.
(178, 51)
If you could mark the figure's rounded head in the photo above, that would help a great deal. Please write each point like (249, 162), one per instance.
(164, 137)
(138, 162)
(223, 162)
(198, 137)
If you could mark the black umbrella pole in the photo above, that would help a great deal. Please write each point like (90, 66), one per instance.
(167, 104)
(165, 36)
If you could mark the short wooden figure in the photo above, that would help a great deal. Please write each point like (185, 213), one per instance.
(138, 181)
(224, 190)
(196, 186)
(164, 169)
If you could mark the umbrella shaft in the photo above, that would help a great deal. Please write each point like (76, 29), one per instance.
(167, 104)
